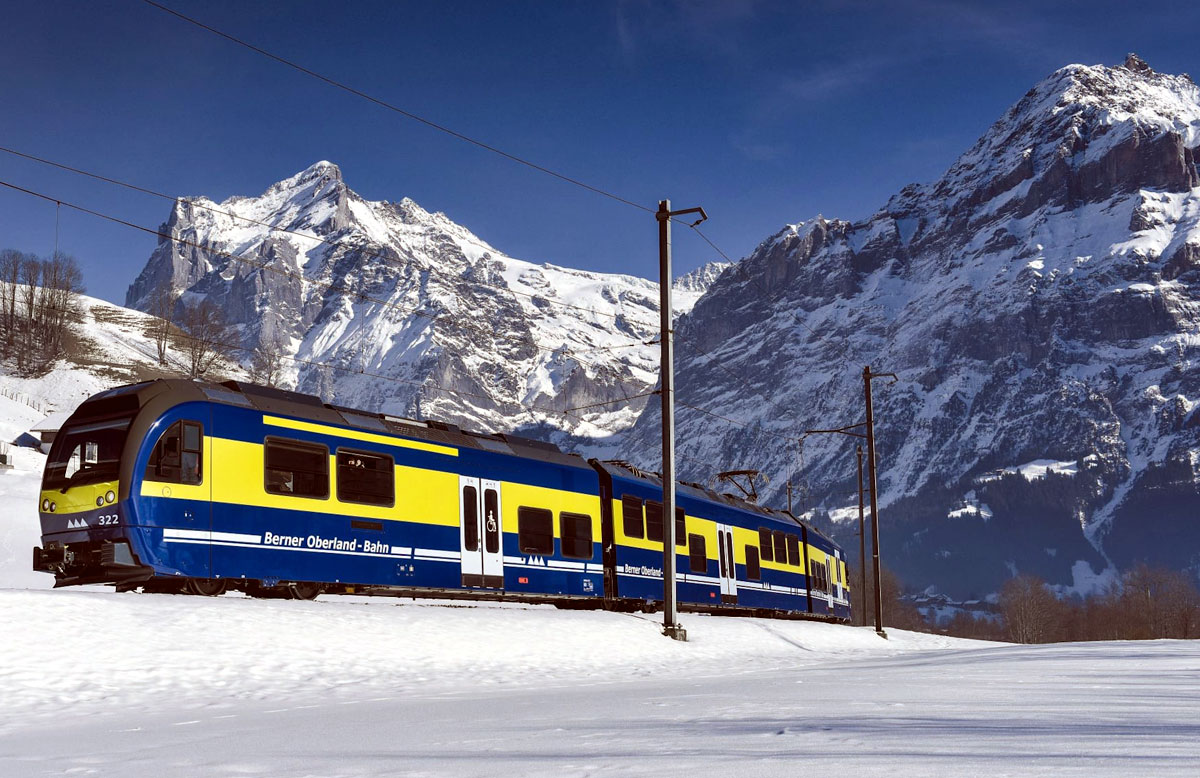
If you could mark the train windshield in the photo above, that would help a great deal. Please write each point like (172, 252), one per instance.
(86, 453)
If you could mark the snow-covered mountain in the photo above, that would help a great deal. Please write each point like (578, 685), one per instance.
(418, 316)
(1041, 305)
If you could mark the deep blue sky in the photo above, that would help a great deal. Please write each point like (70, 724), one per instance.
(764, 113)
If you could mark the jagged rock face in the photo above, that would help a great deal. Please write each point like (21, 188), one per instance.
(1040, 301)
(386, 306)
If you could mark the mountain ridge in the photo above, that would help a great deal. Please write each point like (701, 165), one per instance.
(391, 307)
(1041, 301)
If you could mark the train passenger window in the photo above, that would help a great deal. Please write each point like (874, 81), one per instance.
(764, 544)
(631, 517)
(780, 543)
(366, 478)
(793, 550)
(697, 554)
(680, 528)
(535, 530)
(296, 468)
(178, 456)
(575, 532)
(654, 521)
(470, 504)
(818, 577)
(753, 568)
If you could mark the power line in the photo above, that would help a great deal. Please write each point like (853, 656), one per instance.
(407, 114)
(745, 274)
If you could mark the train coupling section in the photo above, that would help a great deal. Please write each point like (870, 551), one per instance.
(106, 561)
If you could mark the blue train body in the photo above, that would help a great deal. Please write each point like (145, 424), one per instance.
(185, 486)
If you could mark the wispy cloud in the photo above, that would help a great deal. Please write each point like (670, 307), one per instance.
(833, 78)
(710, 26)
(758, 150)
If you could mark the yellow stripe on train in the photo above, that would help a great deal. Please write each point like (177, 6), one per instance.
(369, 437)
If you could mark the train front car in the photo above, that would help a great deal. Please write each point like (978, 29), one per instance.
(85, 506)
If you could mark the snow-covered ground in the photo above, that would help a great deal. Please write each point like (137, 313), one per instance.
(131, 685)
(98, 683)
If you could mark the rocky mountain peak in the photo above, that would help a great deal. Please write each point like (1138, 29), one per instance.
(450, 327)
(1136, 64)
(1039, 301)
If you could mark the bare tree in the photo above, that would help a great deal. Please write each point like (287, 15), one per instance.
(62, 283)
(10, 276)
(1030, 610)
(207, 338)
(1158, 603)
(266, 363)
(163, 301)
(30, 271)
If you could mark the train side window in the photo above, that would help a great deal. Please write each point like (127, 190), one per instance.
(753, 568)
(764, 544)
(654, 521)
(366, 478)
(535, 530)
(780, 543)
(697, 554)
(470, 503)
(631, 517)
(793, 550)
(296, 468)
(575, 531)
(818, 577)
(178, 456)
(680, 528)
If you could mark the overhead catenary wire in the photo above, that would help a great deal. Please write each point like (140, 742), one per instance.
(401, 111)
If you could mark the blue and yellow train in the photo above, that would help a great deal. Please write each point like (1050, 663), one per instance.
(185, 486)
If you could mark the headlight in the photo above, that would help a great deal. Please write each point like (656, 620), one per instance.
(99, 501)
(45, 506)
(52, 507)
(109, 496)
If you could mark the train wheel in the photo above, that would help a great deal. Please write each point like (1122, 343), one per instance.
(204, 587)
(303, 591)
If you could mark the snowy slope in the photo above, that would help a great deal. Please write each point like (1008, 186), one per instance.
(1039, 301)
(147, 685)
(414, 314)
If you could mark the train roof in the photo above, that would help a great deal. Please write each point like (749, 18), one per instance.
(282, 401)
(700, 492)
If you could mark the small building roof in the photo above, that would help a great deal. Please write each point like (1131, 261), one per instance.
(52, 423)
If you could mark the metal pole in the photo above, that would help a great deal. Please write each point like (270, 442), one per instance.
(867, 376)
(862, 538)
(671, 627)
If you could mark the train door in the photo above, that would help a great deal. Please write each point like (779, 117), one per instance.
(479, 533)
(728, 565)
(835, 576)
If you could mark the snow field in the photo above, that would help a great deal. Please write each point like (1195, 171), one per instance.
(68, 653)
